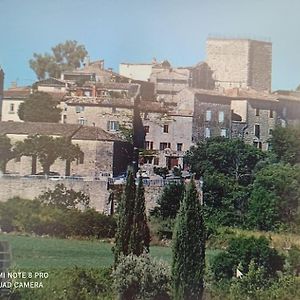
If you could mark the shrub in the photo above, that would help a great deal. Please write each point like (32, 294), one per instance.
(223, 265)
(142, 278)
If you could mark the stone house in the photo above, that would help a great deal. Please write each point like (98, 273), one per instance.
(14, 96)
(103, 153)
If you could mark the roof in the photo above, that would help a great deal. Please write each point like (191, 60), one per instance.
(17, 92)
(51, 81)
(100, 101)
(74, 131)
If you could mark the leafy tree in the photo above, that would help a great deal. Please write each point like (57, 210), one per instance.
(285, 143)
(169, 201)
(65, 56)
(125, 217)
(275, 196)
(64, 198)
(6, 152)
(68, 152)
(241, 252)
(39, 107)
(140, 235)
(189, 248)
(231, 157)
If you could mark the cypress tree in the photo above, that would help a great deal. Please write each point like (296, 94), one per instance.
(125, 217)
(189, 248)
(140, 236)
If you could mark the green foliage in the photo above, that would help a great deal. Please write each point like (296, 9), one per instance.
(65, 56)
(69, 284)
(125, 217)
(231, 157)
(31, 216)
(161, 171)
(142, 278)
(222, 266)
(140, 235)
(64, 198)
(6, 152)
(275, 197)
(241, 251)
(126, 133)
(169, 201)
(189, 247)
(47, 149)
(39, 107)
(285, 143)
(293, 260)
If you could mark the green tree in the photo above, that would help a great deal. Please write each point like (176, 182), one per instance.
(169, 201)
(231, 157)
(275, 196)
(125, 217)
(64, 198)
(39, 107)
(6, 152)
(140, 235)
(65, 56)
(68, 152)
(189, 248)
(285, 143)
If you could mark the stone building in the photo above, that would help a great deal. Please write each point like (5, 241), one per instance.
(14, 96)
(103, 153)
(240, 63)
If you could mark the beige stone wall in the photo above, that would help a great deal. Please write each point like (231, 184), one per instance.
(7, 113)
(240, 63)
(240, 107)
(31, 188)
(136, 71)
(99, 116)
(97, 190)
(98, 157)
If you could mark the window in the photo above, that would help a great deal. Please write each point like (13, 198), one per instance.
(166, 129)
(64, 119)
(12, 108)
(221, 116)
(257, 111)
(257, 130)
(208, 115)
(207, 132)
(113, 110)
(270, 131)
(179, 146)
(146, 129)
(257, 145)
(82, 121)
(79, 109)
(80, 159)
(156, 161)
(224, 132)
(149, 145)
(87, 93)
(112, 125)
(163, 146)
(271, 113)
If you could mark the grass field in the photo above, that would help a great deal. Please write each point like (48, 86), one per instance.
(47, 253)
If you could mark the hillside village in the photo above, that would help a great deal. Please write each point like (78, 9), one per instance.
(227, 95)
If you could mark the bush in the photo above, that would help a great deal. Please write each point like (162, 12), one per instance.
(142, 278)
(31, 216)
(241, 251)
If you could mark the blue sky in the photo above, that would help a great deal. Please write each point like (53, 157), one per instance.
(138, 30)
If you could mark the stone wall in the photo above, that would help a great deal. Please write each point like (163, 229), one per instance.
(97, 190)
(240, 63)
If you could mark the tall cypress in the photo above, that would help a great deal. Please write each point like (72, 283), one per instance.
(140, 236)
(189, 248)
(125, 217)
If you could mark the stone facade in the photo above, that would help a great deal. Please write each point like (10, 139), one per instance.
(240, 63)
(103, 153)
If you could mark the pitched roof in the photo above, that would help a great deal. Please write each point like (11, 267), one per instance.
(74, 131)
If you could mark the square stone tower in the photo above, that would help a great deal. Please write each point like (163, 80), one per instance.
(240, 63)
